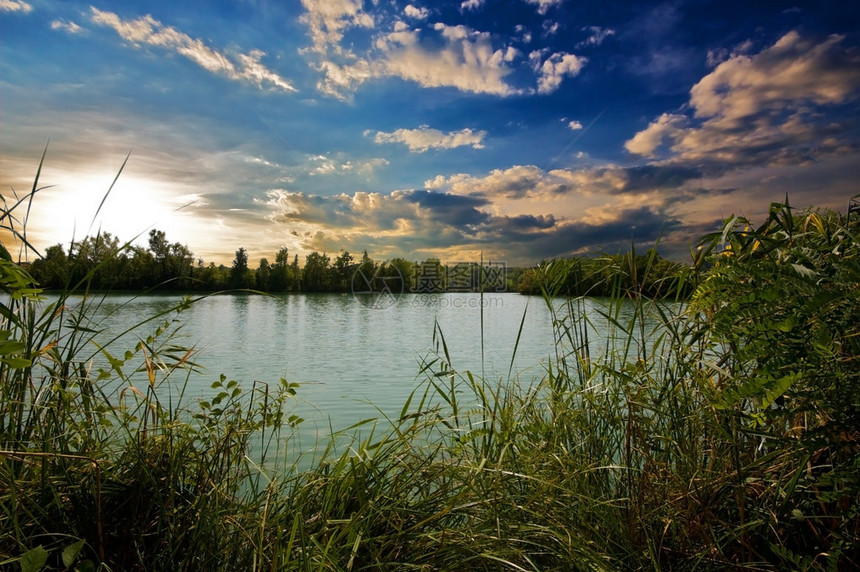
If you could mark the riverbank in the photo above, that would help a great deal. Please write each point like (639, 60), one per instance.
(727, 440)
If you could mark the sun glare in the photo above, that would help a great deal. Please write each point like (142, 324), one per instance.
(71, 211)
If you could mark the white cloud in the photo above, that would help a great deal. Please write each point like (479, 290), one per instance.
(416, 13)
(554, 68)
(338, 80)
(148, 31)
(328, 19)
(525, 33)
(425, 138)
(15, 6)
(597, 36)
(761, 108)
(436, 55)
(550, 28)
(323, 165)
(648, 140)
(69, 27)
(531, 182)
(467, 61)
(544, 5)
(575, 125)
(792, 72)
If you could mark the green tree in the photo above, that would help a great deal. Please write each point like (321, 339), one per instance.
(279, 280)
(141, 270)
(180, 265)
(239, 276)
(160, 249)
(315, 275)
(264, 275)
(52, 270)
(99, 253)
(400, 267)
(342, 271)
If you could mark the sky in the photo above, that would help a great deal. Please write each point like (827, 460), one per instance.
(513, 131)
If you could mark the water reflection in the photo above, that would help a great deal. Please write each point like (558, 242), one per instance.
(353, 361)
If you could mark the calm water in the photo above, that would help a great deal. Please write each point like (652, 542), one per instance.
(353, 361)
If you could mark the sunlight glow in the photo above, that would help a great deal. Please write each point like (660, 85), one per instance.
(134, 206)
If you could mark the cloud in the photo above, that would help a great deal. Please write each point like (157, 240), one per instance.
(471, 5)
(15, 6)
(646, 142)
(543, 6)
(531, 183)
(597, 36)
(791, 73)
(575, 125)
(323, 165)
(467, 60)
(69, 27)
(419, 223)
(553, 69)
(416, 13)
(375, 212)
(424, 138)
(433, 56)
(765, 108)
(328, 19)
(148, 31)
(525, 33)
(550, 28)
(342, 71)
(341, 79)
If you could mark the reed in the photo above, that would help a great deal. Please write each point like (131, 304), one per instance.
(715, 432)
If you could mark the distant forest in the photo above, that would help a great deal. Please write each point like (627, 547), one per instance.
(108, 265)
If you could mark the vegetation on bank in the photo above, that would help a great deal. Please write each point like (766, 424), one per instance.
(724, 437)
(107, 264)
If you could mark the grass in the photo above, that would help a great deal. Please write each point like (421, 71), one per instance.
(718, 433)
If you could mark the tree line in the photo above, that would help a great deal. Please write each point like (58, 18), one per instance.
(107, 264)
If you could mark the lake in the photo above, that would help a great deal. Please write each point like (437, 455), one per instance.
(353, 360)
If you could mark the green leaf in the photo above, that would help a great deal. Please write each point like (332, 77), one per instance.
(34, 560)
(17, 363)
(70, 553)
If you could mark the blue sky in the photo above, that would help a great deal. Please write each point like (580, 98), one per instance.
(520, 130)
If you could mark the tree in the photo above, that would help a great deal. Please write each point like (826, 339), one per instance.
(99, 258)
(180, 264)
(279, 279)
(52, 270)
(342, 270)
(263, 275)
(239, 272)
(315, 276)
(402, 268)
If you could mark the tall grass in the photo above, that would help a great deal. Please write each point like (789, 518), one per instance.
(716, 433)
(109, 465)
